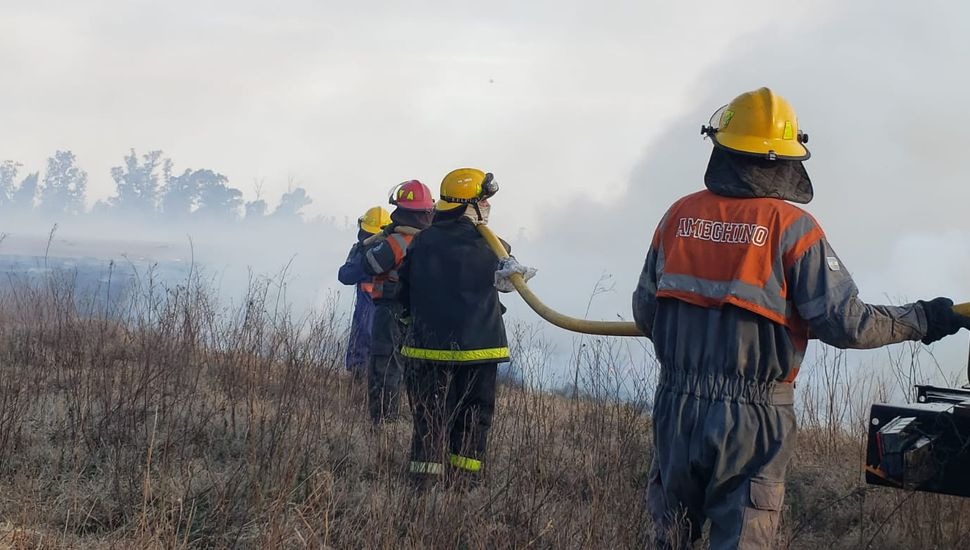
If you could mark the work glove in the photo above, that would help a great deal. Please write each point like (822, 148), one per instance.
(508, 266)
(941, 320)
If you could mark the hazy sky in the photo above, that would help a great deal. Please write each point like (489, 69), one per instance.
(558, 98)
(587, 112)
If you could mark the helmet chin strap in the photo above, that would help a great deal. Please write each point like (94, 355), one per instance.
(482, 209)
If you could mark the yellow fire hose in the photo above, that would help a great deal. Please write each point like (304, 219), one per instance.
(606, 328)
(585, 326)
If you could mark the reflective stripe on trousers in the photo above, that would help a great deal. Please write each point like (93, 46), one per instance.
(465, 463)
(426, 468)
(456, 461)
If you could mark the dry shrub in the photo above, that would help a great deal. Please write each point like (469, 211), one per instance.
(164, 418)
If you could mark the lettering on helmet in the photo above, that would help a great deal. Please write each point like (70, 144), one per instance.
(722, 232)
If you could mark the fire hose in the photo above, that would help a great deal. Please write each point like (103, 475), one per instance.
(605, 328)
(585, 326)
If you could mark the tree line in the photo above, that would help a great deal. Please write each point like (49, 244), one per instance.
(146, 186)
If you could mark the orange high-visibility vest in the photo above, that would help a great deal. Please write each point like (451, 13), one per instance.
(714, 250)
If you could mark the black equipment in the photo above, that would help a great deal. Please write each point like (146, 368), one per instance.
(922, 446)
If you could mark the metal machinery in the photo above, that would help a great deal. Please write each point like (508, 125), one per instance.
(922, 446)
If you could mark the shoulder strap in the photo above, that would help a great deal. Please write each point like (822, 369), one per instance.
(406, 230)
(374, 239)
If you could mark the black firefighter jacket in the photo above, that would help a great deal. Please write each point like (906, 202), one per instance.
(448, 291)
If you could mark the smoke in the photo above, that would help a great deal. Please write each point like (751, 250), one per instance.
(879, 90)
(588, 114)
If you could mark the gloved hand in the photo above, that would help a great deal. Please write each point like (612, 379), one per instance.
(941, 320)
(508, 266)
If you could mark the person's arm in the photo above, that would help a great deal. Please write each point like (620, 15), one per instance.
(352, 272)
(645, 295)
(381, 257)
(827, 298)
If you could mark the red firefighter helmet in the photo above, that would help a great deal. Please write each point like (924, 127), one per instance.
(412, 195)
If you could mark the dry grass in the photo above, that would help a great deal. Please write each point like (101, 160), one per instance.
(165, 419)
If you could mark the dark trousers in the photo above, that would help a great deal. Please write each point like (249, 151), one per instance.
(384, 387)
(358, 372)
(452, 406)
(384, 367)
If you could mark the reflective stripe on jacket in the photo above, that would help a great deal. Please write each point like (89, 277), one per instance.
(458, 356)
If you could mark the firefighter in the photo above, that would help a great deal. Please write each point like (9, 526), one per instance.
(352, 273)
(456, 335)
(736, 281)
(381, 259)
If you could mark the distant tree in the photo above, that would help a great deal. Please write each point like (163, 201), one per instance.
(137, 184)
(8, 181)
(292, 203)
(256, 209)
(216, 199)
(180, 195)
(102, 208)
(64, 185)
(183, 194)
(23, 197)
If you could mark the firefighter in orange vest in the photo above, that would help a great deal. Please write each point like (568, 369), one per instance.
(352, 273)
(381, 259)
(736, 281)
